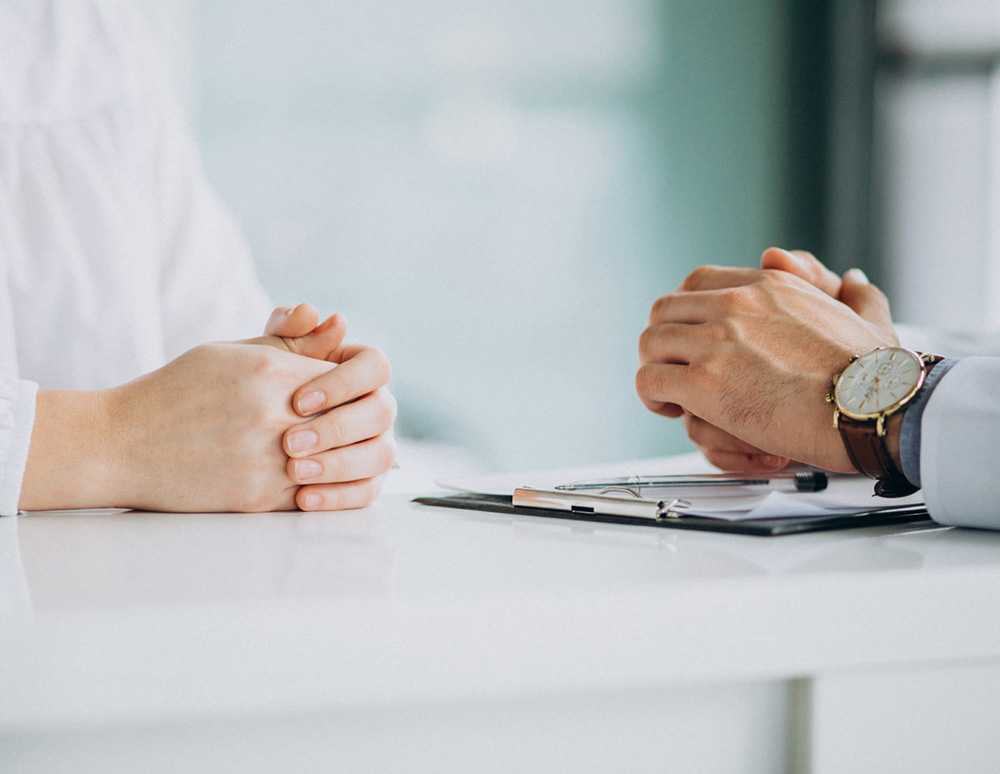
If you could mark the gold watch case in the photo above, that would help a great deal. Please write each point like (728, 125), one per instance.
(878, 416)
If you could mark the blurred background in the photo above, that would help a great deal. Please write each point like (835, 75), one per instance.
(495, 193)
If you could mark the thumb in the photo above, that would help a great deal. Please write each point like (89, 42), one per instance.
(295, 329)
(865, 299)
(291, 321)
(804, 265)
(322, 342)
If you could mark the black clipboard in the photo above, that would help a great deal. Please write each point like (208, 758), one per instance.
(875, 517)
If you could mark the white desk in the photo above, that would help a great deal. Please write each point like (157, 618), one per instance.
(405, 638)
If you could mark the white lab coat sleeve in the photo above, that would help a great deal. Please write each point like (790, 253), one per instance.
(958, 450)
(17, 409)
(210, 291)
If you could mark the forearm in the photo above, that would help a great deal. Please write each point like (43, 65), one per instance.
(75, 459)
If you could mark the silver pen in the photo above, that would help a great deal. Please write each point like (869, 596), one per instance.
(803, 481)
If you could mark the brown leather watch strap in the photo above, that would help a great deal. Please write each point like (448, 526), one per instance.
(867, 451)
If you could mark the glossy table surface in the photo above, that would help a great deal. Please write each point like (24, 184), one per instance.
(110, 615)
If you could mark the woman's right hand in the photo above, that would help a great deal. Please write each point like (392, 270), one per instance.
(203, 433)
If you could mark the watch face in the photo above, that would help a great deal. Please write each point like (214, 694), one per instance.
(878, 381)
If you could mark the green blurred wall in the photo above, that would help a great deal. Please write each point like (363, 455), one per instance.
(742, 115)
(645, 138)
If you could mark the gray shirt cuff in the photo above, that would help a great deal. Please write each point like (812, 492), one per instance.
(909, 434)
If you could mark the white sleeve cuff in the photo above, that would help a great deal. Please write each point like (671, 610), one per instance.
(17, 417)
(958, 445)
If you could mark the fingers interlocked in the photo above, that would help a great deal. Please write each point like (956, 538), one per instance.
(339, 454)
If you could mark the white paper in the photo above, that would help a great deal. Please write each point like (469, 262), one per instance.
(506, 483)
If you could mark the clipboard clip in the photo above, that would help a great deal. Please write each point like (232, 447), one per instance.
(633, 507)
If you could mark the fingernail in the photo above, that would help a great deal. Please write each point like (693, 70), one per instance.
(856, 275)
(312, 500)
(301, 440)
(771, 461)
(307, 469)
(311, 401)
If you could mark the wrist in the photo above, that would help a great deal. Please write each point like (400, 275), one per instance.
(119, 456)
(74, 459)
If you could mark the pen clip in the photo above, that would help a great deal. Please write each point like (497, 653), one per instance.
(674, 509)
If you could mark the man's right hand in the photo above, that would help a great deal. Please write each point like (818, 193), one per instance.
(728, 452)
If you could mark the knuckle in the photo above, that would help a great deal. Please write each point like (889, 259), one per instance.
(643, 380)
(383, 368)
(697, 278)
(387, 408)
(880, 295)
(695, 430)
(332, 433)
(257, 415)
(263, 361)
(386, 366)
(386, 454)
(815, 266)
(728, 329)
(771, 277)
(335, 467)
(369, 492)
(730, 299)
(646, 341)
(734, 300)
(659, 309)
(648, 381)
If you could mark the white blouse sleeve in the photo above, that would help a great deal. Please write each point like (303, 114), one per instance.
(209, 289)
(17, 409)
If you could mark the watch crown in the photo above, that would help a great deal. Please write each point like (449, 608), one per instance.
(828, 397)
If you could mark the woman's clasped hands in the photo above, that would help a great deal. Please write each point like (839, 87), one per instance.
(295, 418)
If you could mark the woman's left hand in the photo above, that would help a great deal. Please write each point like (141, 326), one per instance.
(340, 453)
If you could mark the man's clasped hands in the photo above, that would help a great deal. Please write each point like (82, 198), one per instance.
(299, 418)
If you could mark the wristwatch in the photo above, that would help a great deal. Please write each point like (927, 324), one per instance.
(871, 389)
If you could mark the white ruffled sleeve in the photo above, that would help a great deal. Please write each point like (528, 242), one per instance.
(17, 417)
(17, 408)
(210, 289)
